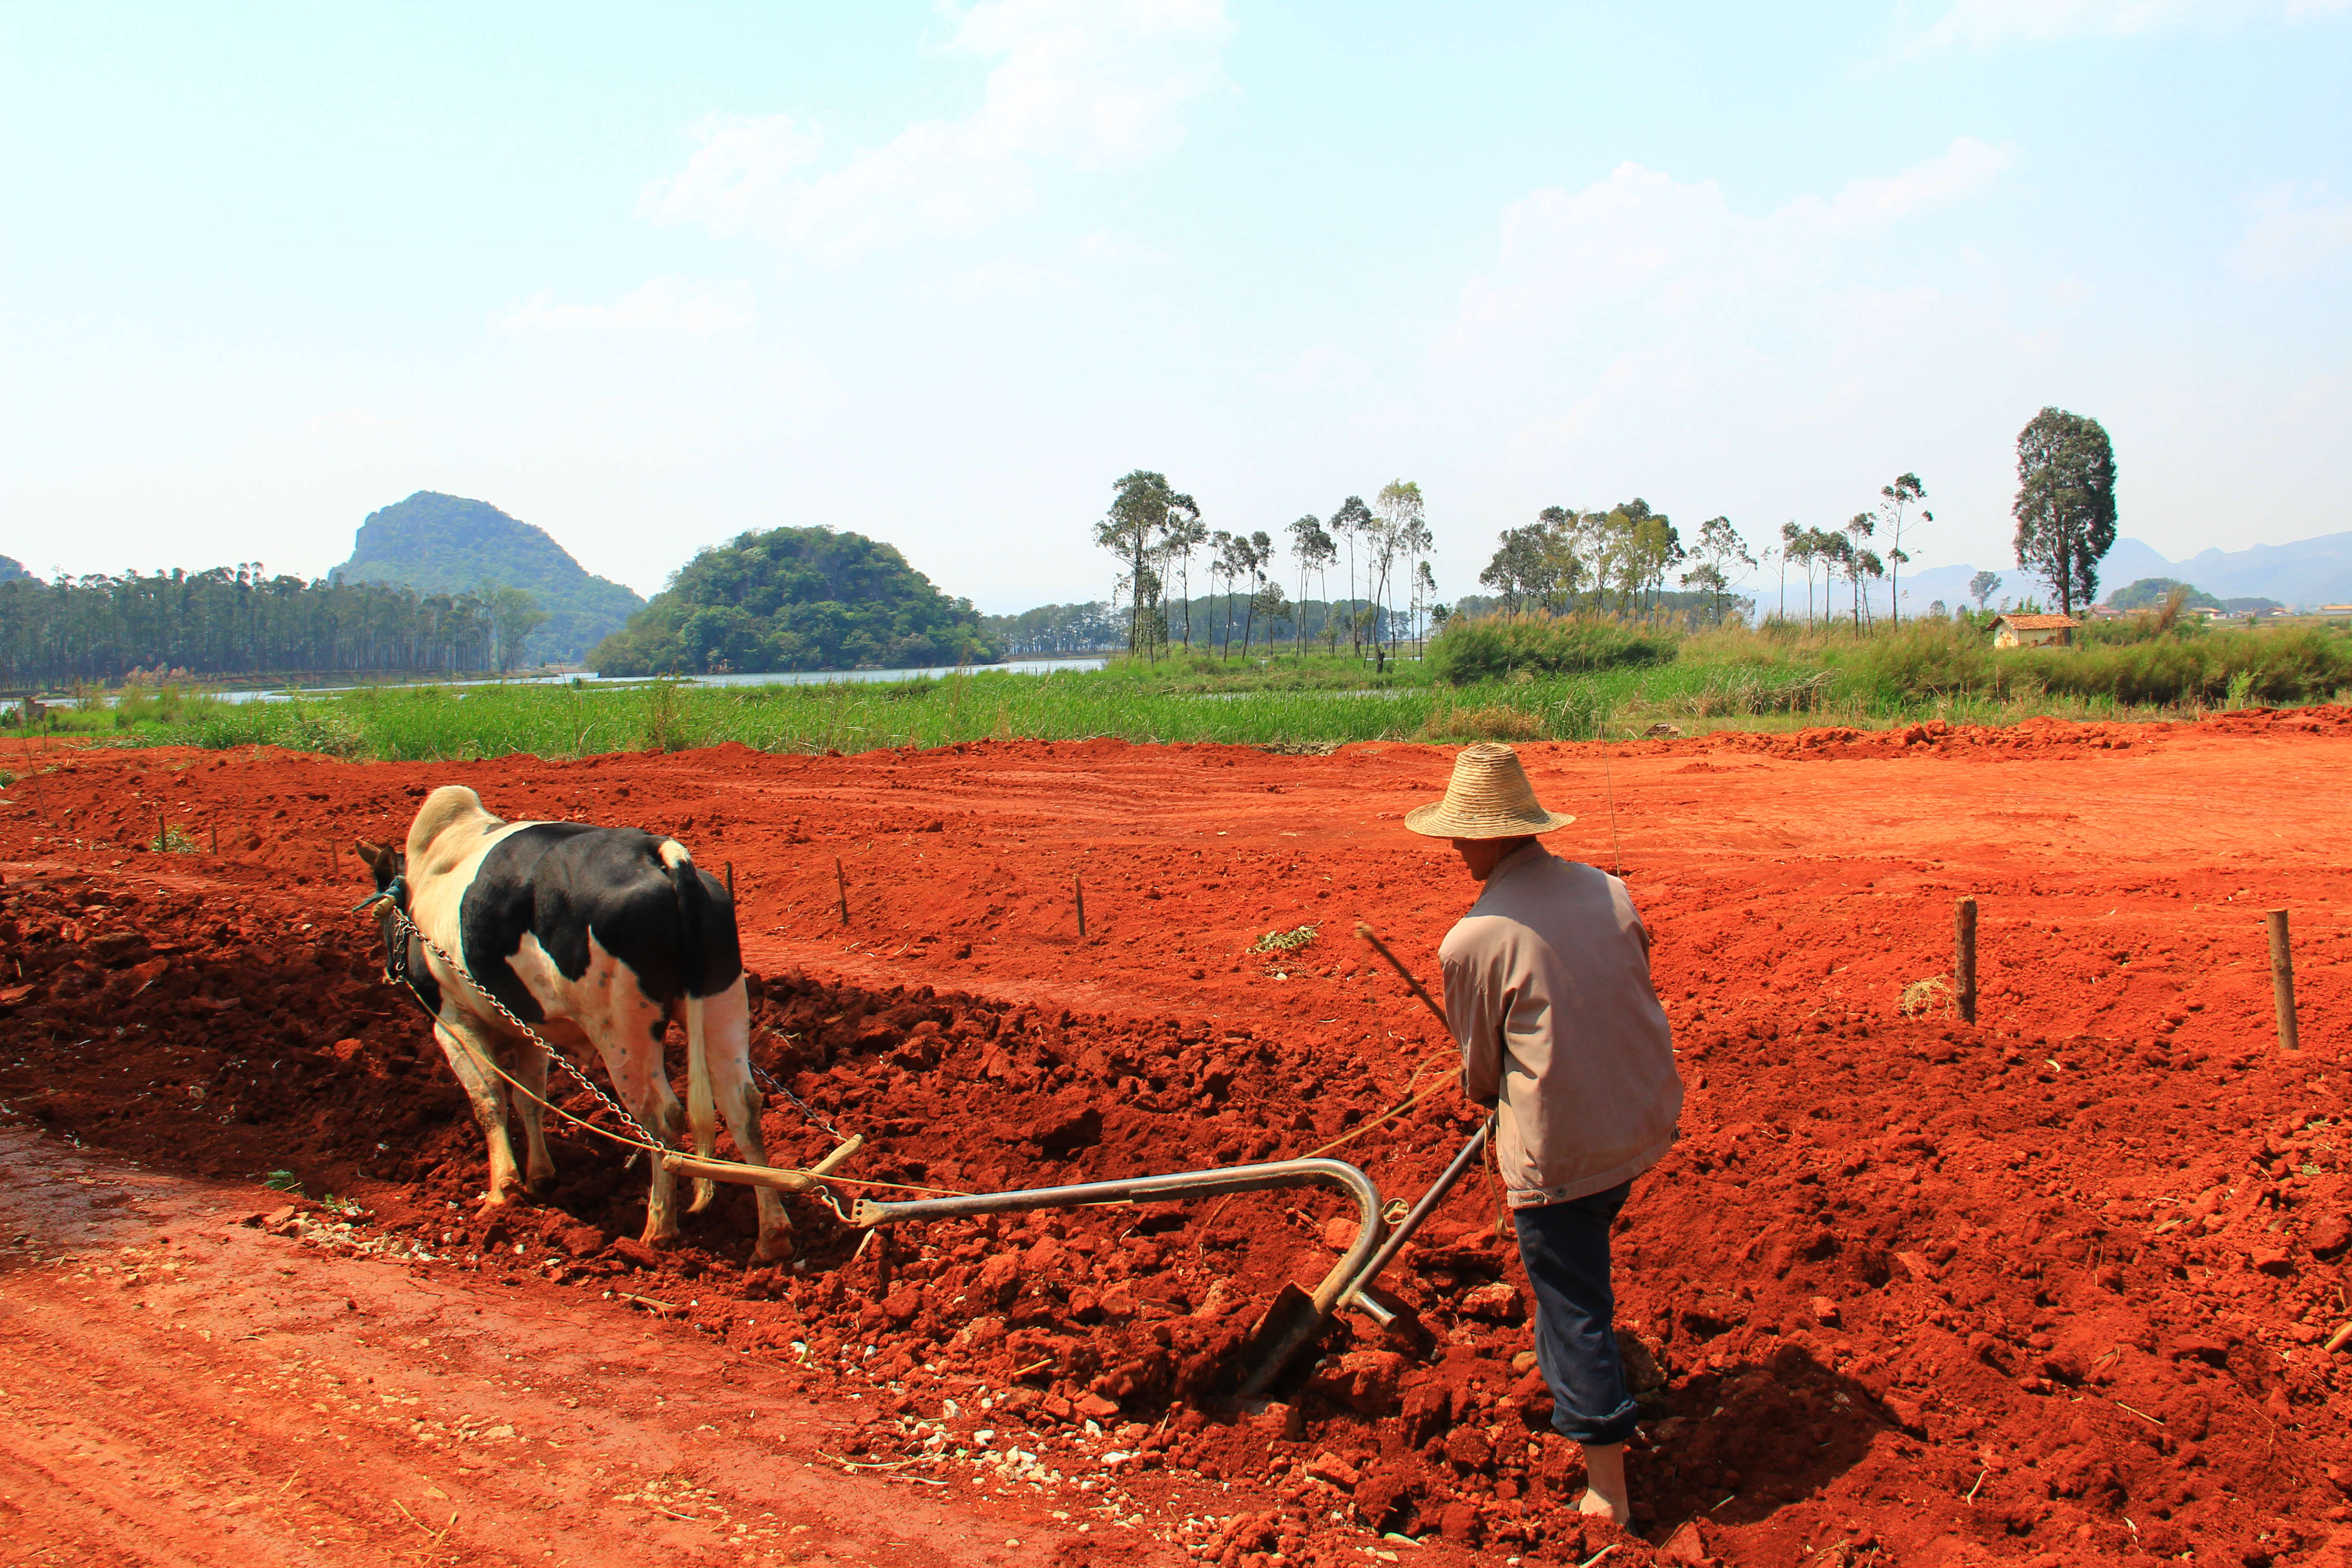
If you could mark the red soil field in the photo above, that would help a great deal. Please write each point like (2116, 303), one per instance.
(2055, 1286)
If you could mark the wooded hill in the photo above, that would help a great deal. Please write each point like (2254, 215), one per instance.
(796, 598)
(439, 543)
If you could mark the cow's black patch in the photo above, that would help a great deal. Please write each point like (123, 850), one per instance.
(559, 882)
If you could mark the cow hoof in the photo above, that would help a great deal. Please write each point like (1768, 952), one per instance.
(773, 1248)
(496, 1198)
(542, 1185)
(663, 1239)
(704, 1193)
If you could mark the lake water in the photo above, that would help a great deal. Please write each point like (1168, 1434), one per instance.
(772, 677)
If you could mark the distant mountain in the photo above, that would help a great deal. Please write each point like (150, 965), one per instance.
(447, 544)
(2308, 573)
(11, 569)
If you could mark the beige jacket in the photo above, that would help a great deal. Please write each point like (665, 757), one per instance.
(1548, 988)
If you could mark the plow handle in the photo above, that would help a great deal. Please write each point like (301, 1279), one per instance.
(1421, 1211)
(1405, 974)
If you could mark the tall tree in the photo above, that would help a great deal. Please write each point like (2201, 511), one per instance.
(1312, 549)
(1516, 569)
(514, 616)
(1857, 529)
(1983, 587)
(1251, 553)
(1353, 519)
(1403, 532)
(1142, 509)
(1222, 562)
(1892, 499)
(1718, 549)
(1179, 537)
(1654, 549)
(2065, 506)
(1561, 557)
(1791, 537)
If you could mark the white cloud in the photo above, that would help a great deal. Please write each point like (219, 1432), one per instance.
(2296, 232)
(1086, 84)
(743, 166)
(1639, 243)
(1648, 335)
(664, 307)
(1981, 23)
(1965, 166)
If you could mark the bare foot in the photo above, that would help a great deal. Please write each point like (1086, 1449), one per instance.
(1604, 1493)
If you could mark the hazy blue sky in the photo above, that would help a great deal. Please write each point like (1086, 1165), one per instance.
(649, 276)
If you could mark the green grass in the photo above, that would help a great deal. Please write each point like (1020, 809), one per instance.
(1778, 678)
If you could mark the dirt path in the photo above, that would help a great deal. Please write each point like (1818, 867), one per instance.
(183, 1386)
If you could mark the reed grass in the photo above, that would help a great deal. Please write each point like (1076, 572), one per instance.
(1777, 678)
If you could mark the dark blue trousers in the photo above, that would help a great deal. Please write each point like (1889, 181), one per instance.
(1565, 1247)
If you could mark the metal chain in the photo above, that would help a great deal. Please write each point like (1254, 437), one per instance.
(777, 1086)
(409, 928)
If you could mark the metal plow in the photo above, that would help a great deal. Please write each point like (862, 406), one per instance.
(1296, 1317)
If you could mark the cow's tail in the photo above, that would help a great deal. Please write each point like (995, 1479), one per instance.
(694, 915)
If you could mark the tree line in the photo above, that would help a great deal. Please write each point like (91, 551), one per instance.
(1618, 558)
(1224, 621)
(1157, 534)
(242, 620)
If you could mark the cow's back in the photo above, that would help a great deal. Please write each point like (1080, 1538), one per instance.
(586, 896)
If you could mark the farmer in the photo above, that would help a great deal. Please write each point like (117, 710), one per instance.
(1548, 989)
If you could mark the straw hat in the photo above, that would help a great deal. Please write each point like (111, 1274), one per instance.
(1487, 797)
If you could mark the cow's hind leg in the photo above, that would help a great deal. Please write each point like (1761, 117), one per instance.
(727, 1024)
(700, 1114)
(529, 1070)
(470, 1052)
(631, 1045)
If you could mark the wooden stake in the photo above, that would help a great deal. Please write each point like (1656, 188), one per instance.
(216, 840)
(1964, 958)
(2282, 980)
(730, 881)
(841, 889)
(1078, 892)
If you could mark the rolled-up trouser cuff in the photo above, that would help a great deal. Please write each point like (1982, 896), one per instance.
(1615, 1428)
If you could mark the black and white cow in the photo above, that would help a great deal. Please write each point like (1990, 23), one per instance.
(597, 937)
